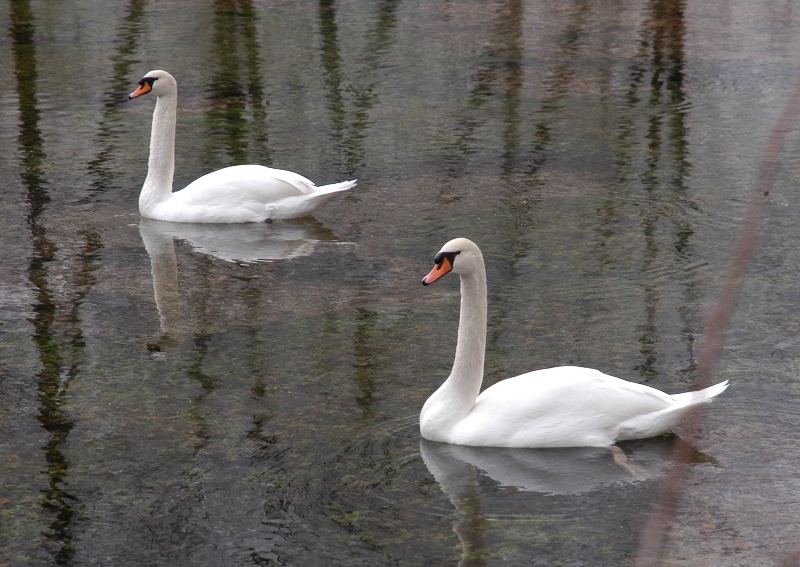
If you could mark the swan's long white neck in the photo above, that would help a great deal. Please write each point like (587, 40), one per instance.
(161, 166)
(468, 365)
(456, 397)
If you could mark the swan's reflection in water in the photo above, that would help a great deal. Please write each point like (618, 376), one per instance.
(245, 243)
(241, 242)
(570, 471)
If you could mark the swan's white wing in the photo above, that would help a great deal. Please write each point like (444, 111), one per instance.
(296, 180)
(242, 183)
(245, 193)
(233, 194)
(564, 406)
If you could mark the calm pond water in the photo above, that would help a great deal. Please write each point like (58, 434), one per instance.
(248, 395)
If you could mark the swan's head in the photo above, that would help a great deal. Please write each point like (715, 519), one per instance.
(159, 83)
(461, 256)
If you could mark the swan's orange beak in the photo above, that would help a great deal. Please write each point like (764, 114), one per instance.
(143, 88)
(438, 271)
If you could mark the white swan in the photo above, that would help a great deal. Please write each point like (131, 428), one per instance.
(567, 406)
(242, 193)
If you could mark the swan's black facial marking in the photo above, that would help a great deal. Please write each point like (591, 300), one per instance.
(148, 80)
(451, 256)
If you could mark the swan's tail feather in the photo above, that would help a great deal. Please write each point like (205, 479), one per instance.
(335, 187)
(656, 423)
(704, 396)
(301, 205)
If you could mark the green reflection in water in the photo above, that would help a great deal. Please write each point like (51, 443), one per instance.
(510, 28)
(349, 103)
(55, 497)
(385, 23)
(501, 74)
(651, 159)
(237, 118)
(517, 221)
(196, 373)
(666, 159)
(521, 162)
(128, 34)
(350, 120)
(30, 141)
(60, 357)
(560, 77)
(364, 355)
(202, 336)
(668, 52)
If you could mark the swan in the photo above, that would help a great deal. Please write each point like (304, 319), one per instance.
(566, 406)
(241, 193)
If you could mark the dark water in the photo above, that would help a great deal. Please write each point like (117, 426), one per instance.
(183, 395)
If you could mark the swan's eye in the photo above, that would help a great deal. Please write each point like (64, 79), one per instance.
(148, 80)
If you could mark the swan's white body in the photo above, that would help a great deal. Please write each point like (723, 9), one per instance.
(567, 406)
(242, 193)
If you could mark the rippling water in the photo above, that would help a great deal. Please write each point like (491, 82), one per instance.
(184, 395)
